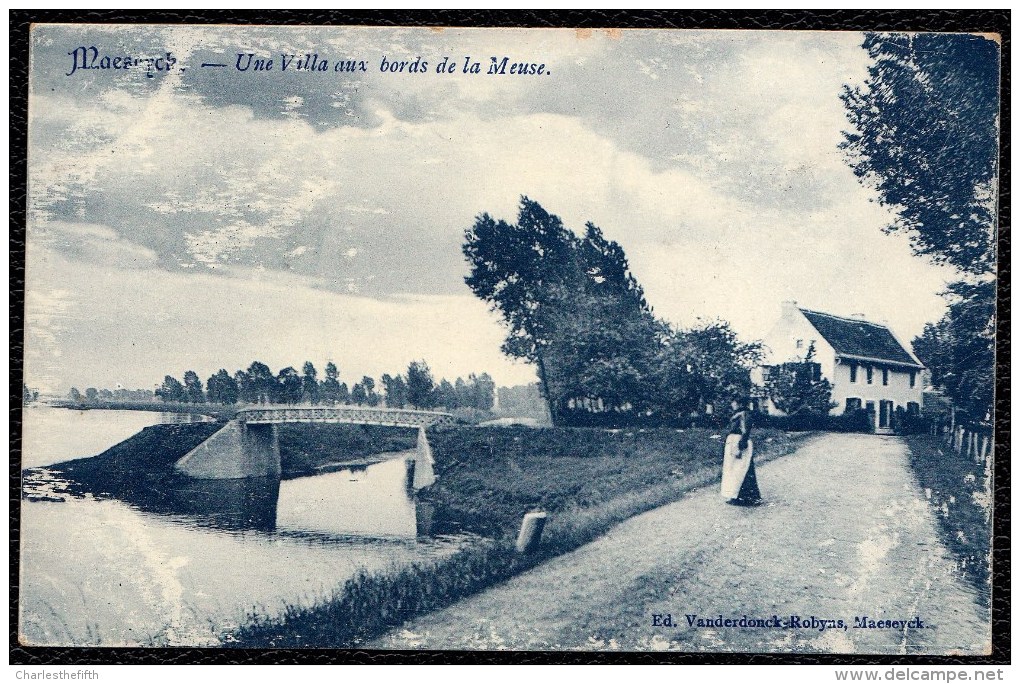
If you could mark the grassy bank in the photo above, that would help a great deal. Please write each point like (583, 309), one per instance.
(588, 480)
(956, 488)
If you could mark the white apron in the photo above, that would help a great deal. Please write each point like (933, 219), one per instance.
(734, 469)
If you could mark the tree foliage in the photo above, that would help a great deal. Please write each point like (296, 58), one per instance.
(193, 388)
(927, 130)
(708, 365)
(571, 306)
(797, 389)
(395, 390)
(309, 383)
(170, 390)
(960, 348)
(926, 138)
(420, 385)
(330, 390)
(221, 388)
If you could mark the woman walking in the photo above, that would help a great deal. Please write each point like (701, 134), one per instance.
(739, 482)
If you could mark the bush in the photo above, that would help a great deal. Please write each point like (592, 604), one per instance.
(852, 421)
(858, 420)
(910, 423)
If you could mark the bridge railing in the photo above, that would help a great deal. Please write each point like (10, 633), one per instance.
(346, 414)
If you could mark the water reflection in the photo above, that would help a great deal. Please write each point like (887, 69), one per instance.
(361, 500)
(371, 500)
(243, 504)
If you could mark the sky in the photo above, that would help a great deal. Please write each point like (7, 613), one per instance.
(205, 217)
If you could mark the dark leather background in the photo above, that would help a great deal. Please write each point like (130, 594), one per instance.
(875, 20)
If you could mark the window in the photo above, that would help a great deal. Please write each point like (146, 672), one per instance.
(913, 378)
(913, 408)
(853, 404)
(870, 372)
(853, 372)
(885, 376)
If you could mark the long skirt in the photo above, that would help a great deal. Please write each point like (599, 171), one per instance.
(739, 482)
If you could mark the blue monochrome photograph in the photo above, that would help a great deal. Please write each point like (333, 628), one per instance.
(509, 339)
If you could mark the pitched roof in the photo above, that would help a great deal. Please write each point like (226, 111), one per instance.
(855, 338)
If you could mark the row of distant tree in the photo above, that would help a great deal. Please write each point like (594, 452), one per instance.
(257, 384)
(93, 395)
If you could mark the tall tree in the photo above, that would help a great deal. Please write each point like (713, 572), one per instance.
(170, 390)
(221, 388)
(960, 349)
(484, 391)
(246, 391)
(309, 383)
(716, 365)
(925, 136)
(263, 383)
(371, 397)
(525, 271)
(446, 395)
(193, 388)
(465, 393)
(330, 391)
(571, 304)
(287, 386)
(420, 385)
(343, 395)
(74, 395)
(358, 395)
(395, 389)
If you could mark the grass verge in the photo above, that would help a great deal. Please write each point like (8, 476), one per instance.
(957, 491)
(588, 480)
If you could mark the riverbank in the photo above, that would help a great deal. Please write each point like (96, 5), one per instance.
(217, 411)
(587, 480)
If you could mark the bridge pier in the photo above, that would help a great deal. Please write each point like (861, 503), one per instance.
(237, 450)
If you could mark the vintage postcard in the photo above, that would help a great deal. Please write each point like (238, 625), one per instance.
(509, 339)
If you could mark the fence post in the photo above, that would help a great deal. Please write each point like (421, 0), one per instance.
(531, 532)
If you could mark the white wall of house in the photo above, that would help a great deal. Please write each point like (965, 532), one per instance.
(792, 336)
(790, 339)
(897, 391)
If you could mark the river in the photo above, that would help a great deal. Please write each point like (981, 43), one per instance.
(100, 571)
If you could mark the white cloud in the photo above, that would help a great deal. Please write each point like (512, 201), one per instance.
(720, 177)
(133, 327)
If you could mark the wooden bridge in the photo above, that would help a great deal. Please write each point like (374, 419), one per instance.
(249, 446)
(360, 415)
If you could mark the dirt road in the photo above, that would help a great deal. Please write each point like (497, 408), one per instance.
(845, 534)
